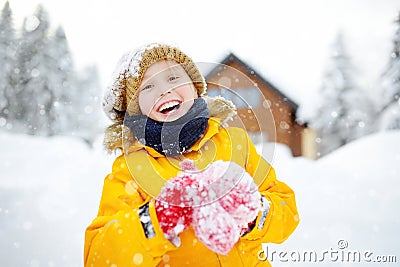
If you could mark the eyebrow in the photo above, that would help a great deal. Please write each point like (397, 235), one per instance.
(174, 68)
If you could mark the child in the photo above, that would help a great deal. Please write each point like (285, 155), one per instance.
(184, 189)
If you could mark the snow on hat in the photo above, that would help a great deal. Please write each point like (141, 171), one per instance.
(122, 93)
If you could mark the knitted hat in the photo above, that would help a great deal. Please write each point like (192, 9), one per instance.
(122, 94)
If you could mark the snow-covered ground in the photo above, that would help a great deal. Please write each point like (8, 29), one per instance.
(49, 192)
(350, 195)
(50, 188)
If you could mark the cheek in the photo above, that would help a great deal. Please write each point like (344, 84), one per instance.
(187, 92)
(144, 103)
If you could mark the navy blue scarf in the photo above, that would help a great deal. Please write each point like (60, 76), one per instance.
(174, 137)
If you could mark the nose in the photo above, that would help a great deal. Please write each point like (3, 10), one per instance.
(165, 91)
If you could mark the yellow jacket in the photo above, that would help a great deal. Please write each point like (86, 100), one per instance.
(117, 235)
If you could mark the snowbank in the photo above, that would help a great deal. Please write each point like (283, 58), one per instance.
(351, 195)
(49, 192)
(50, 189)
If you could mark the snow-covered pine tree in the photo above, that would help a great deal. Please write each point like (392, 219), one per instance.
(40, 91)
(345, 111)
(390, 109)
(76, 105)
(7, 56)
(87, 105)
(63, 83)
(34, 91)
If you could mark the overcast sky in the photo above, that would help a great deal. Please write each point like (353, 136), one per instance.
(288, 41)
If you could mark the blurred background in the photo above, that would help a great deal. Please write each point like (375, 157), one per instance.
(329, 72)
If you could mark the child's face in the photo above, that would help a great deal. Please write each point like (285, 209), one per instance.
(166, 92)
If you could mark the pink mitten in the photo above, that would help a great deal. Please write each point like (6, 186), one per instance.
(235, 190)
(215, 228)
(173, 207)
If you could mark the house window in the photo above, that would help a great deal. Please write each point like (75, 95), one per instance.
(241, 97)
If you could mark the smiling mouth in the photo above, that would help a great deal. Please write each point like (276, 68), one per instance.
(169, 106)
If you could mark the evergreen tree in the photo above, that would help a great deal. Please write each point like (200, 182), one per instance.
(390, 110)
(40, 92)
(7, 55)
(76, 105)
(64, 86)
(87, 105)
(345, 111)
(34, 92)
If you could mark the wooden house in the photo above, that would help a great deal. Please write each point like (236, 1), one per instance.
(266, 113)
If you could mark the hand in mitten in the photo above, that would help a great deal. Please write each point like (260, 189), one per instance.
(215, 228)
(227, 202)
(173, 207)
(235, 190)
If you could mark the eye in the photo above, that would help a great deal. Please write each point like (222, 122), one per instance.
(147, 87)
(173, 78)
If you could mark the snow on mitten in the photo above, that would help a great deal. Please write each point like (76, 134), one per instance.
(175, 201)
(236, 191)
(215, 228)
(188, 165)
(173, 207)
(199, 193)
(243, 202)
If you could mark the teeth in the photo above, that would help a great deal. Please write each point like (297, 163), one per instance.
(168, 105)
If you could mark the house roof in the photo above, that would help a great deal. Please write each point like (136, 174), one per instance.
(253, 73)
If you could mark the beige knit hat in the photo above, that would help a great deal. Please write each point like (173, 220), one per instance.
(122, 94)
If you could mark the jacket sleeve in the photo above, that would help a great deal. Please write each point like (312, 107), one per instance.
(279, 216)
(126, 230)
